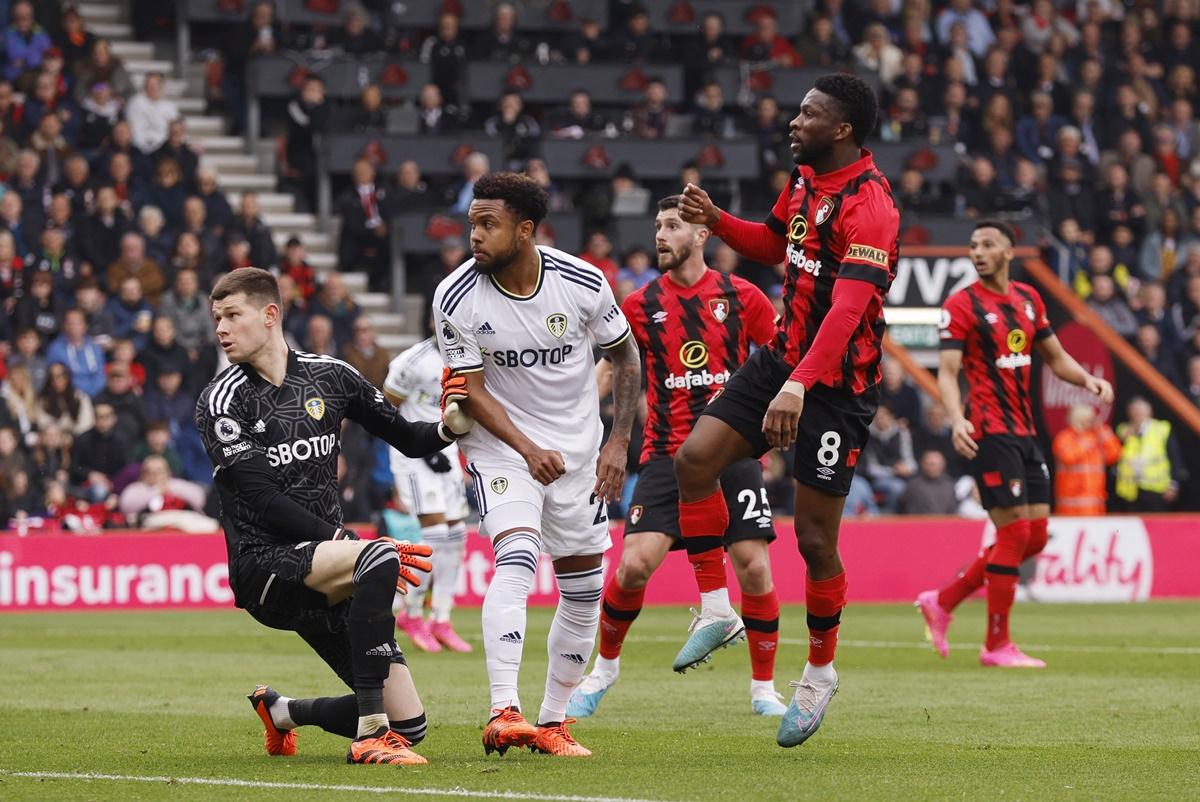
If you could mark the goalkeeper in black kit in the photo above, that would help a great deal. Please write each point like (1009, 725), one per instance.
(270, 424)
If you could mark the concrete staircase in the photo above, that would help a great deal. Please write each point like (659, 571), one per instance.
(241, 169)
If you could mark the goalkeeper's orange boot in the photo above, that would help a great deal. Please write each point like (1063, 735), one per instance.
(384, 747)
(506, 729)
(278, 742)
(553, 739)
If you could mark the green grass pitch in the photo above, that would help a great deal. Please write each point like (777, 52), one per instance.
(155, 702)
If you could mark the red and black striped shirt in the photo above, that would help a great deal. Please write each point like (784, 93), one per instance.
(692, 339)
(996, 334)
(843, 224)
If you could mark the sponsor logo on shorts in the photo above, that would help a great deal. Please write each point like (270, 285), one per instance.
(227, 430)
(557, 323)
(992, 479)
(635, 513)
(825, 473)
(315, 407)
(499, 485)
(236, 448)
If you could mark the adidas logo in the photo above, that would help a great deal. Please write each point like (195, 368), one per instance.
(577, 659)
(486, 328)
(511, 637)
(384, 650)
(259, 427)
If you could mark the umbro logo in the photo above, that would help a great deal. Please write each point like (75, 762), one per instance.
(577, 659)
(486, 328)
(384, 650)
(660, 316)
(511, 637)
(259, 427)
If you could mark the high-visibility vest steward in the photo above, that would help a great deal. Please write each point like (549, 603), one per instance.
(1144, 464)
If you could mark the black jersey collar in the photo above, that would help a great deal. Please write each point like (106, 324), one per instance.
(293, 364)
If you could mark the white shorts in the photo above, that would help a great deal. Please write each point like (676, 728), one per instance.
(423, 491)
(570, 519)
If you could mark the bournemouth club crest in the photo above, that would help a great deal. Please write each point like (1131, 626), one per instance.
(557, 323)
(824, 209)
(1015, 486)
(635, 514)
(315, 407)
(719, 308)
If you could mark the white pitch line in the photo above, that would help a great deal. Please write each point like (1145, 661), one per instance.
(908, 644)
(365, 789)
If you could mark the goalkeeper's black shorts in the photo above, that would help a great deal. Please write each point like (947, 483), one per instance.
(268, 582)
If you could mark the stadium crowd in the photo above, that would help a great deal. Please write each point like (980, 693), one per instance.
(1072, 117)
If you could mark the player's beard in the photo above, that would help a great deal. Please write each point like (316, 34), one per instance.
(499, 261)
(673, 259)
(809, 154)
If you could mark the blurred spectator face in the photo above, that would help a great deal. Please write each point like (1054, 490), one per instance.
(1081, 417)
(690, 174)
(163, 331)
(320, 333)
(933, 464)
(124, 352)
(287, 289)
(711, 27)
(475, 166)
(153, 86)
(1103, 288)
(58, 377)
(907, 102)
(766, 28)
(155, 471)
(6, 92)
(982, 171)
(1170, 223)
(911, 182)
(1164, 140)
(59, 212)
(1069, 140)
(28, 164)
(431, 97)
(504, 20)
(101, 53)
(334, 289)
(51, 437)
(625, 288)
(177, 133)
(74, 325)
(106, 418)
(249, 206)
(372, 98)
(955, 97)
(117, 382)
(1026, 175)
(207, 180)
(89, 298)
(41, 287)
(1099, 261)
(1139, 411)
(511, 106)
(656, 93)
(130, 292)
(580, 104)
(935, 418)
(1154, 297)
(133, 249)
(1068, 231)
(237, 251)
(885, 421)
(447, 27)
(356, 21)
(893, 374)
(158, 438)
(263, 15)
(8, 441)
(1122, 236)
(53, 241)
(119, 168)
(711, 97)
(22, 16)
(187, 247)
(363, 174)
(724, 259)
(1130, 144)
(1193, 290)
(76, 170)
(313, 92)
(1083, 105)
(194, 213)
(1181, 111)
(408, 176)
(28, 344)
(639, 23)
(364, 335)
(187, 284)
(536, 169)
(452, 253)
(598, 245)
(106, 201)
(1148, 339)
(169, 382)
(767, 111)
(10, 206)
(50, 127)
(294, 254)
(637, 261)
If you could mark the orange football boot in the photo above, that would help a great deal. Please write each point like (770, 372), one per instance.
(278, 742)
(506, 729)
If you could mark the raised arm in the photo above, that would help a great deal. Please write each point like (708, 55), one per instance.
(369, 408)
(1065, 367)
(761, 242)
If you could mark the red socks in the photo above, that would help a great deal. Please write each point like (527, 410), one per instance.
(969, 581)
(702, 524)
(760, 614)
(824, 599)
(1039, 536)
(617, 614)
(1003, 571)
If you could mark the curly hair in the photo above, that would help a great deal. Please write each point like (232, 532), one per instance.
(518, 191)
(857, 100)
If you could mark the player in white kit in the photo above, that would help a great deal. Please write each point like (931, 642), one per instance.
(519, 322)
(432, 490)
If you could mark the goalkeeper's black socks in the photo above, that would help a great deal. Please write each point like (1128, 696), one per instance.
(336, 714)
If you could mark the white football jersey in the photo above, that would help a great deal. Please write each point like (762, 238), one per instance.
(535, 352)
(416, 377)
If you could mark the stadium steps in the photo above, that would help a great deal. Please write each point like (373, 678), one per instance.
(133, 51)
(116, 31)
(102, 12)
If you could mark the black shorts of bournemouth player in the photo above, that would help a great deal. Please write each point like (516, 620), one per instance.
(989, 332)
(835, 226)
(270, 424)
(694, 326)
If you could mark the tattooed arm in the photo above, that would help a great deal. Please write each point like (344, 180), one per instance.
(626, 386)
